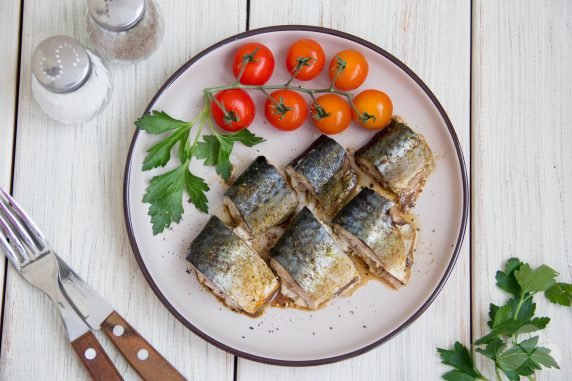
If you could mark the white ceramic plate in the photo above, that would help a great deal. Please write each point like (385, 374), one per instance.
(349, 325)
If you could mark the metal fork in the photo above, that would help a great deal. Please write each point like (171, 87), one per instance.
(81, 308)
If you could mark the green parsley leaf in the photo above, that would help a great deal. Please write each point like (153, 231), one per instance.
(158, 122)
(493, 348)
(208, 149)
(536, 358)
(196, 188)
(216, 149)
(460, 359)
(245, 137)
(533, 325)
(506, 280)
(512, 359)
(164, 196)
(165, 192)
(457, 375)
(160, 154)
(528, 345)
(512, 327)
(223, 165)
(541, 356)
(184, 146)
(493, 308)
(527, 308)
(560, 293)
(526, 369)
(502, 314)
(539, 279)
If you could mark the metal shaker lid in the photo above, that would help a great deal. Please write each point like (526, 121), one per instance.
(61, 64)
(117, 15)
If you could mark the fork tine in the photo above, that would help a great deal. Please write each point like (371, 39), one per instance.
(18, 227)
(13, 248)
(33, 233)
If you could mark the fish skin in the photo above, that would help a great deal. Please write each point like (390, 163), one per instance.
(234, 268)
(313, 259)
(367, 217)
(326, 167)
(262, 196)
(399, 159)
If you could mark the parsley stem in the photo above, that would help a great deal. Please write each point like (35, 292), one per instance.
(499, 378)
(520, 303)
(201, 119)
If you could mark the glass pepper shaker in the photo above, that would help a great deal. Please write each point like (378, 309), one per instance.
(124, 31)
(69, 82)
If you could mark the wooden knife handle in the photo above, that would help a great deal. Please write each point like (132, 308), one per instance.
(137, 351)
(93, 356)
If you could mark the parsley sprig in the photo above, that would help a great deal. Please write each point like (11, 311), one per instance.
(165, 191)
(511, 356)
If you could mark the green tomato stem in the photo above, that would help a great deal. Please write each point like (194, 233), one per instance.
(210, 91)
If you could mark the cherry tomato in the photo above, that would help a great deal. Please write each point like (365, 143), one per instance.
(310, 55)
(355, 69)
(286, 109)
(331, 114)
(375, 109)
(259, 63)
(239, 106)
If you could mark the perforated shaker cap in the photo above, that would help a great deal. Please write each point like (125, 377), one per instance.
(116, 15)
(61, 64)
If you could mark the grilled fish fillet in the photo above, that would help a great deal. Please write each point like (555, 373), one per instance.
(399, 159)
(312, 268)
(325, 173)
(231, 269)
(367, 226)
(260, 198)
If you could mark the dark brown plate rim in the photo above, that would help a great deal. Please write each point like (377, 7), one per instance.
(368, 347)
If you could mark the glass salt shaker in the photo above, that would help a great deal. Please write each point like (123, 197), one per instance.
(124, 31)
(69, 82)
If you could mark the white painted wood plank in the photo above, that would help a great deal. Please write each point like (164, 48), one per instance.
(70, 179)
(420, 33)
(10, 37)
(522, 140)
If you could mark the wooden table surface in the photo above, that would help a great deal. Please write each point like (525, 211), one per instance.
(501, 69)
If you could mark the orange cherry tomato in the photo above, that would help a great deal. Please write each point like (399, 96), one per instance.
(259, 62)
(309, 55)
(239, 107)
(331, 114)
(286, 109)
(354, 69)
(375, 109)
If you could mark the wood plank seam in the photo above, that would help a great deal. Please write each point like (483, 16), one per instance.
(471, 164)
(13, 161)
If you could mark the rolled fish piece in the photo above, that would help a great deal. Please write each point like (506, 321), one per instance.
(367, 226)
(312, 267)
(324, 172)
(260, 198)
(231, 269)
(399, 159)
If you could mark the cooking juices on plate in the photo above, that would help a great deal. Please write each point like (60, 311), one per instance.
(312, 259)
(327, 222)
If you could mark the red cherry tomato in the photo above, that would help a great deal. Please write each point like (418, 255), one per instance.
(353, 74)
(309, 55)
(375, 108)
(331, 114)
(286, 109)
(259, 63)
(239, 107)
